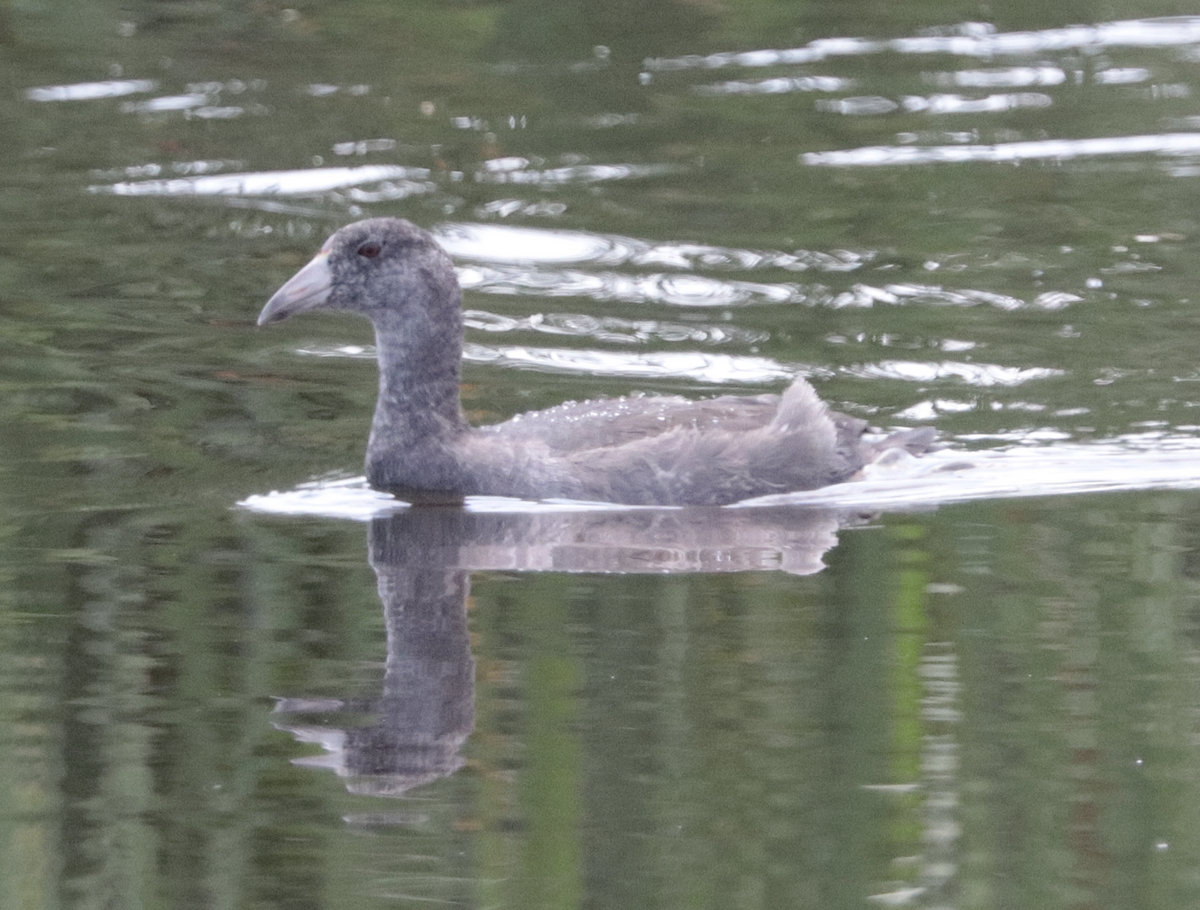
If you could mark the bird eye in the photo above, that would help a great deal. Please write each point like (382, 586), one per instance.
(370, 250)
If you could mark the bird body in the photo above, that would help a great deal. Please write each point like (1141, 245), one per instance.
(646, 450)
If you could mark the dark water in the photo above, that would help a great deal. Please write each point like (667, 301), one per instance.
(969, 683)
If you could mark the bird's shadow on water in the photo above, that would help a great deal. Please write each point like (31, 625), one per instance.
(423, 558)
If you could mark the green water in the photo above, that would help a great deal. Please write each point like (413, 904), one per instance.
(984, 704)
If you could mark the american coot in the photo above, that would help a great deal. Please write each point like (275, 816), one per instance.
(645, 450)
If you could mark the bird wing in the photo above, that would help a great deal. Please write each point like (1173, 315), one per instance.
(578, 426)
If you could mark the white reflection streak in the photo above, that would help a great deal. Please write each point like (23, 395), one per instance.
(1006, 77)
(265, 183)
(957, 104)
(1169, 31)
(1168, 144)
(935, 104)
(502, 243)
(1122, 75)
(980, 41)
(894, 293)
(610, 329)
(165, 103)
(778, 86)
(975, 374)
(581, 173)
(821, 49)
(860, 105)
(90, 91)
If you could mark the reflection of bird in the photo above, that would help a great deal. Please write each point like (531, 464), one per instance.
(414, 731)
(652, 450)
(418, 725)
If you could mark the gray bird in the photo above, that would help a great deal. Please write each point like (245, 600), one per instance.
(649, 450)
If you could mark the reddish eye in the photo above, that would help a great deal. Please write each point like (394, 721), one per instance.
(370, 250)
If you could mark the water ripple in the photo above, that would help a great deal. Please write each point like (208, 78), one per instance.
(1038, 465)
(500, 243)
(717, 369)
(612, 329)
(706, 291)
(673, 290)
(895, 293)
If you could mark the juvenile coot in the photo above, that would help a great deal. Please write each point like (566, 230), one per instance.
(647, 450)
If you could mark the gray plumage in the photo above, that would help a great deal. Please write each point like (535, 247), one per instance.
(643, 450)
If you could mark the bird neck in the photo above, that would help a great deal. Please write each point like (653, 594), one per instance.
(418, 386)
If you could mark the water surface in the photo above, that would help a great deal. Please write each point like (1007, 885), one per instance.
(235, 677)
